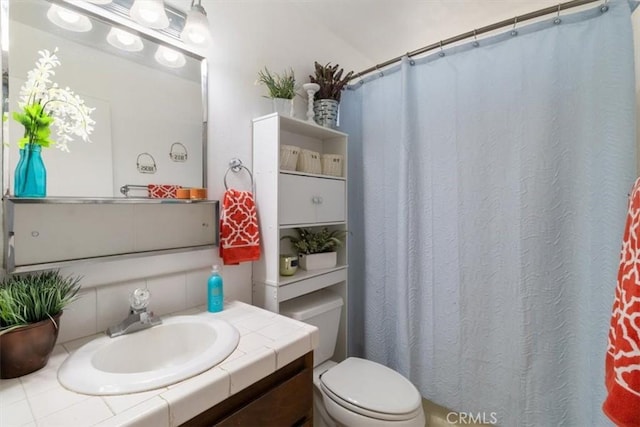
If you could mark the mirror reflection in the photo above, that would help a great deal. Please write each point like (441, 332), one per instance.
(148, 99)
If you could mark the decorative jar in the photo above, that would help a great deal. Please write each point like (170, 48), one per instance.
(288, 264)
(325, 112)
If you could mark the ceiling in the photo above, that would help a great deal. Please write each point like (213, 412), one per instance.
(383, 29)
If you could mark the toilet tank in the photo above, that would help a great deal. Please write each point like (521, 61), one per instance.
(322, 310)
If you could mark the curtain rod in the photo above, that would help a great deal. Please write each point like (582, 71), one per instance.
(507, 22)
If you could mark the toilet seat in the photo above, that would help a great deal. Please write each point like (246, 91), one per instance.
(374, 415)
(372, 390)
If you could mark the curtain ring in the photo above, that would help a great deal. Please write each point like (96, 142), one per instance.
(360, 77)
(475, 43)
(514, 32)
(411, 61)
(558, 20)
(380, 73)
(604, 7)
(441, 51)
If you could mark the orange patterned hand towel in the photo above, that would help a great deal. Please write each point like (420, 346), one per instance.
(622, 379)
(239, 233)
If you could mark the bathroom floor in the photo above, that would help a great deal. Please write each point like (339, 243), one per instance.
(437, 416)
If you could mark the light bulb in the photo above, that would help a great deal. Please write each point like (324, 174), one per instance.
(196, 28)
(68, 19)
(68, 16)
(150, 13)
(169, 57)
(124, 40)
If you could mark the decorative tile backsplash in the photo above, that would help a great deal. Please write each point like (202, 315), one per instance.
(102, 306)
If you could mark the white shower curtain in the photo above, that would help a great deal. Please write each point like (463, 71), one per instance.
(486, 213)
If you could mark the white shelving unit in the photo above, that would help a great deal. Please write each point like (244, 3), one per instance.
(287, 200)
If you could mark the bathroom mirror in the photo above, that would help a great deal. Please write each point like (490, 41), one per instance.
(150, 118)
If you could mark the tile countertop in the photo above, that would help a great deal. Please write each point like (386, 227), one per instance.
(268, 341)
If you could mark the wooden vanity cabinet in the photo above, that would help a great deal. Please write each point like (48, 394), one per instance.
(284, 398)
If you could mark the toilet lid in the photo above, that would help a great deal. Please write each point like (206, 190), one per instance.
(372, 387)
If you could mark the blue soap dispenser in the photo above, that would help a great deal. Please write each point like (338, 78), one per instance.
(215, 296)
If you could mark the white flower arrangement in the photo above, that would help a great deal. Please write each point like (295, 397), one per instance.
(45, 104)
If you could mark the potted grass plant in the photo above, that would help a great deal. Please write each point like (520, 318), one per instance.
(332, 81)
(30, 309)
(282, 89)
(317, 249)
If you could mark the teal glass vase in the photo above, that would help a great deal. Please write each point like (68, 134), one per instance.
(18, 174)
(30, 179)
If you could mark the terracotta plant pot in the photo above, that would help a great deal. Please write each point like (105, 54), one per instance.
(27, 349)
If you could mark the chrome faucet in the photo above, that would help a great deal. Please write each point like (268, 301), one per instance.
(139, 317)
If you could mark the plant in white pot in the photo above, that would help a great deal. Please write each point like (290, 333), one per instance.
(282, 89)
(317, 249)
(327, 99)
(30, 310)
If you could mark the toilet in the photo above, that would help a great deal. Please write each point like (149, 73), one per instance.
(355, 392)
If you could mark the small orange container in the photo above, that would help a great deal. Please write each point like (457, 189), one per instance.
(198, 193)
(183, 193)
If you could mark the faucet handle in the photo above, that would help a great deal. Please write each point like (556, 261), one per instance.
(139, 299)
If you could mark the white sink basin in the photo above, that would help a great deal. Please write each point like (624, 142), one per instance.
(179, 348)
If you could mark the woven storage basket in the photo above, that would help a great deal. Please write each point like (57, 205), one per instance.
(309, 161)
(289, 157)
(332, 164)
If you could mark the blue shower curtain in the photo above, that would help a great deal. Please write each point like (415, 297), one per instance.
(488, 191)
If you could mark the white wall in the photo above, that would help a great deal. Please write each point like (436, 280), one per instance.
(249, 35)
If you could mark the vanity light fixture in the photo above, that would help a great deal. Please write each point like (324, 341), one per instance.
(124, 40)
(150, 13)
(68, 19)
(169, 57)
(196, 30)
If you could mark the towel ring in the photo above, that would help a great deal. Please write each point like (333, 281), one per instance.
(235, 166)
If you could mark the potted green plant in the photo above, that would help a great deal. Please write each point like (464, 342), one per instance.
(327, 99)
(317, 249)
(30, 310)
(282, 89)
